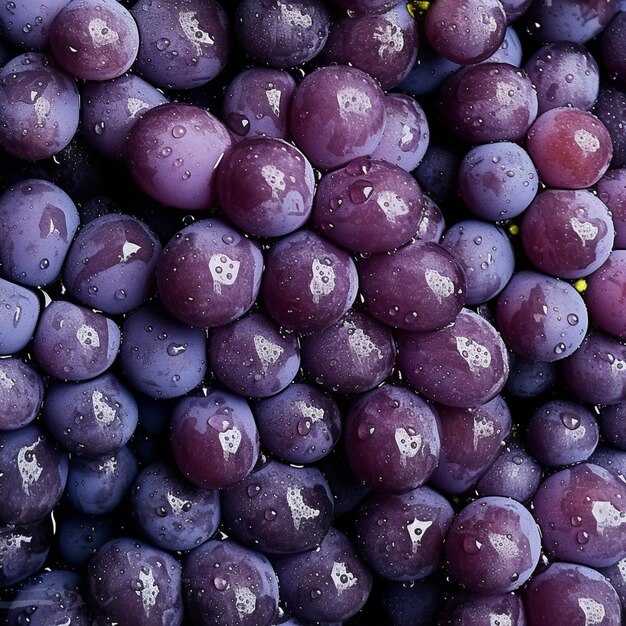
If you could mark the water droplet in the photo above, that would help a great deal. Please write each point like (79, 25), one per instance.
(576, 520)
(161, 511)
(572, 319)
(174, 349)
(365, 430)
(238, 123)
(178, 162)
(163, 43)
(120, 294)
(27, 28)
(179, 131)
(44, 264)
(560, 348)
(360, 191)
(219, 583)
(93, 290)
(316, 593)
(478, 240)
(219, 422)
(269, 514)
(304, 427)
(187, 175)
(229, 240)
(358, 166)
(518, 460)
(176, 378)
(99, 128)
(165, 152)
(582, 537)
(471, 545)
(569, 78)
(570, 421)
(253, 490)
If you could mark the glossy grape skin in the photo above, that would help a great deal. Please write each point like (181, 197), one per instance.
(605, 295)
(368, 206)
(469, 609)
(172, 513)
(432, 224)
(182, 44)
(227, 267)
(613, 424)
(463, 365)
(329, 584)
(581, 512)
(611, 190)
(528, 378)
(266, 187)
(38, 221)
(172, 154)
(566, 593)
(257, 102)
(21, 393)
(308, 283)
(23, 107)
(18, 316)
(498, 180)
(465, 33)
(493, 545)
(92, 418)
(80, 536)
(252, 358)
(131, 582)
(33, 474)
(609, 108)
(26, 23)
(214, 439)
(461, 464)
(401, 535)
(489, 102)
(337, 114)
(225, 583)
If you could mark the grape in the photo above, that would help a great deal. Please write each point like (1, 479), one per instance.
(468, 609)
(437, 173)
(510, 50)
(24, 549)
(21, 393)
(432, 224)
(80, 536)
(612, 50)
(613, 424)
(182, 44)
(604, 296)
(514, 9)
(26, 23)
(348, 491)
(611, 460)
(612, 192)
(610, 107)
(615, 575)
(493, 545)
(363, 7)
(528, 378)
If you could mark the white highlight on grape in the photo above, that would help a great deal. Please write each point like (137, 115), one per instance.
(42, 110)
(482, 428)
(342, 577)
(135, 105)
(6, 382)
(503, 545)
(88, 336)
(267, 351)
(16, 541)
(128, 249)
(28, 466)
(353, 100)
(408, 445)
(439, 284)
(593, 610)
(314, 413)
(391, 205)
(191, 28)
(390, 37)
(230, 441)
(273, 99)
(473, 353)
(505, 93)
(101, 34)
(323, 281)
(294, 16)
(67, 623)
(416, 530)
(102, 411)
(586, 141)
(586, 231)
(606, 516)
(224, 271)
(361, 343)
(148, 590)
(109, 466)
(245, 601)
(407, 136)
(621, 566)
(500, 619)
(300, 510)
(274, 178)
(176, 504)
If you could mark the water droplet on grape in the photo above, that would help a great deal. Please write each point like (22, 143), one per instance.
(471, 545)
(44, 264)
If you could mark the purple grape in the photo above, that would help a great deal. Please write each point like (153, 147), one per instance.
(21, 393)
(612, 192)
(337, 114)
(438, 172)
(33, 474)
(172, 154)
(469, 609)
(214, 439)
(352, 356)
(80, 536)
(252, 358)
(26, 23)
(471, 441)
(616, 576)
(182, 44)
(612, 50)
(328, 584)
(498, 180)
(401, 535)
(606, 292)
(432, 224)
(348, 491)
(368, 206)
(611, 460)
(308, 283)
(510, 50)
(131, 582)
(94, 39)
(225, 583)
(582, 512)
(92, 418)
(567, 233)
(111, 108)
(540, 317)
(609, 108)
(489, 102)
(75, 343)
(613, 424)
(172, 513)
(528, 378)
(226, 268)
(514, 9)
(257, 102)
(39, 103)
(493, 545)
(464, 364)
(266, 187)
(383, 44)
(362, 7)
(19, 312)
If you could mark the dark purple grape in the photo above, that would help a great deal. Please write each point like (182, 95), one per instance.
(464, 364)
(172, 513)
(38, 221)
(401, 535)
(21, 393)
(337, 114)
(432, 224)
(308, 283)
(438, 172)
(352, 356)
(182, 44)
(493, 545)
(616, 575)
(606, 292)
(368, 206)
(39, 103)
(613, 424)
(226, 270)
(467, 32)
(257, 102)
(612, 49)
(528, 379)
(214, 439)
(252, 358)
(610, 107)
(75, 343)
(412, 603)
(225, 583)
(92, 418)
(392, 439)
(489, 102)
(172, 154)
(540, 317)
(348, 491)
(80, 536)
(611, 460)
(514, 9)
(612, 192)
(383, 44)
(470, 609)
(328, 584)
(266, 187)
(566, 593)
(471, 441)
(582, 514)
(131, 582)
(362, 7)
(26, 23)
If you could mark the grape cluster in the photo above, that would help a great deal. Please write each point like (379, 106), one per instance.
(313, 312)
